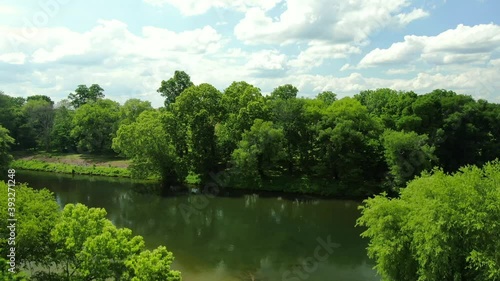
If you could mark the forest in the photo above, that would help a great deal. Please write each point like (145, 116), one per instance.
(356, 146)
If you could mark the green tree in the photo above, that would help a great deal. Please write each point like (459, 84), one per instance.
(243, 103)
(13, 118)
(36, 213)
(151, 143)
(258, 153)
(90, 247)
(442, 227)
(199, 109)
(406, 155)
(327, 97)
(5, 274)
(131, 109)
(174, 86)
(152, 265)
(84, 95)
(6, 141)
(284, 92)
(61, 130)
(349, 144)
(95, 124)
(40, 118)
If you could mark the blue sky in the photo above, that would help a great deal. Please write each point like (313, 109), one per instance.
(51, 46)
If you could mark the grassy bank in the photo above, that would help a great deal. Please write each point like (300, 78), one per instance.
(39, 165)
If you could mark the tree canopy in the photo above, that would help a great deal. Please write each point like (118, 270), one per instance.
(77, 243)
(442, 227)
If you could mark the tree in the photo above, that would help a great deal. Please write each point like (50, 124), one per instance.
(406, 155)
(442, 227)
(61, 130)
(243, 103)
(40, 98)
(152, 265)
(327, 97)
(258, 153)
(151, 143)
(77, 243)
(13, 119)
(284, 92)
(95, 125)
(84, 95)
(174, 86)
(6, 141)
(199, 109)
(349, 146)
(90, 247)
(37, 213)
(131, 109)
(40, 118)
(287, 112)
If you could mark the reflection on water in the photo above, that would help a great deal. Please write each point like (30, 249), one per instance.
(228, 238)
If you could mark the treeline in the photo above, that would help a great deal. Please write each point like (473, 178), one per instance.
(354, 146)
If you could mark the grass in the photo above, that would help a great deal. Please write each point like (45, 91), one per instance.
(38, 165)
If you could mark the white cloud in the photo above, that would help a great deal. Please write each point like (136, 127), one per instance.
(196, 7)
(13, 58)
(398, 52)
(416, 14)
(464, 44)
(318, 51)
(337, 22)
(267, 60)
(109, 54)
(478, 82)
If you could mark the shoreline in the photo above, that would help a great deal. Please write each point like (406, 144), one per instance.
(279, 187)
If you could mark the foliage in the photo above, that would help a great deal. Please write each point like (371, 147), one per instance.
(199, 110)
(36, 214)
(443, 227)
(61, 131)
(78, 243)
(373, 142)
(150, 146)
(258, 153)
(152, 265)
(131, 109)
(5, 143)
(174, 86)
(95, 124)
(40, 119)
(84, 95)
(407, 155)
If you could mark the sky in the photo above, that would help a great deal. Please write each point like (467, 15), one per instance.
(49, 47)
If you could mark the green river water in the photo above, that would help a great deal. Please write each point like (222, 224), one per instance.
(229, 237)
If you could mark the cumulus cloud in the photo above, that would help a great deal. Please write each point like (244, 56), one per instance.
(108, 54)
(194, 7)
(340, 22)
(267, 59)
(464, 44)
(13, 58)
(319, 51)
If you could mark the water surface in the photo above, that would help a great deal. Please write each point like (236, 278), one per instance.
(226, 238)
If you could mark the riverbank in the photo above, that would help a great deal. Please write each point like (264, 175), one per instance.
(79, 164)
(115, 166)
(95, 170)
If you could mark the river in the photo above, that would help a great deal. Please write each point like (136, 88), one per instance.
(229, 237)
